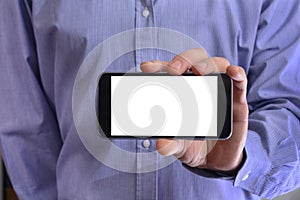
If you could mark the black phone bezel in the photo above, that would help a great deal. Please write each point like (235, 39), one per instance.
(224, 128)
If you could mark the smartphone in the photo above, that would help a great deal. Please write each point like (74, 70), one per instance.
(159, 105)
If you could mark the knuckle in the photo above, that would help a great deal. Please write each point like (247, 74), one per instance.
(186, 158)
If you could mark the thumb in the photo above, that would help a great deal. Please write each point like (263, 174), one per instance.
(169, 147)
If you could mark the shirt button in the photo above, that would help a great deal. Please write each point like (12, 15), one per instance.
(245, 177)
(146, 12)
(146, 144)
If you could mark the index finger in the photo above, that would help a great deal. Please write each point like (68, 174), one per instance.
(194, 59)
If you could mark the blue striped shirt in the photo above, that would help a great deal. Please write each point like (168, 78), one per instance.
(44, 42)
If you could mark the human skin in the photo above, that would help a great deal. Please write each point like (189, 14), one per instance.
(224, 155)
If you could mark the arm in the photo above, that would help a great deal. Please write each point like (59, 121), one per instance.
(273, 141)
(269, 165)
(29, 135)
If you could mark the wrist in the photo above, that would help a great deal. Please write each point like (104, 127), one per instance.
(234, 170)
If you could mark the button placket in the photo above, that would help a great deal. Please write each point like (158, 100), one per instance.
(144, 18)
(146, 182)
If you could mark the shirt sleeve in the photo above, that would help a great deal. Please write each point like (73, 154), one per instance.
(29, 135)
(272, 166)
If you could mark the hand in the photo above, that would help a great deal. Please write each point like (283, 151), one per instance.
(214, 155)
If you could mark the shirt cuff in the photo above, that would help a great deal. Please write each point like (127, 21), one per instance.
(256, 167)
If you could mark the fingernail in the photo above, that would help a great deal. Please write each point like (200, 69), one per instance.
(203, 65)
(145, 63)
(176, 64)
(239, 76)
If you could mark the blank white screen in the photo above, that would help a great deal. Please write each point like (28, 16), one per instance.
(152, 93)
